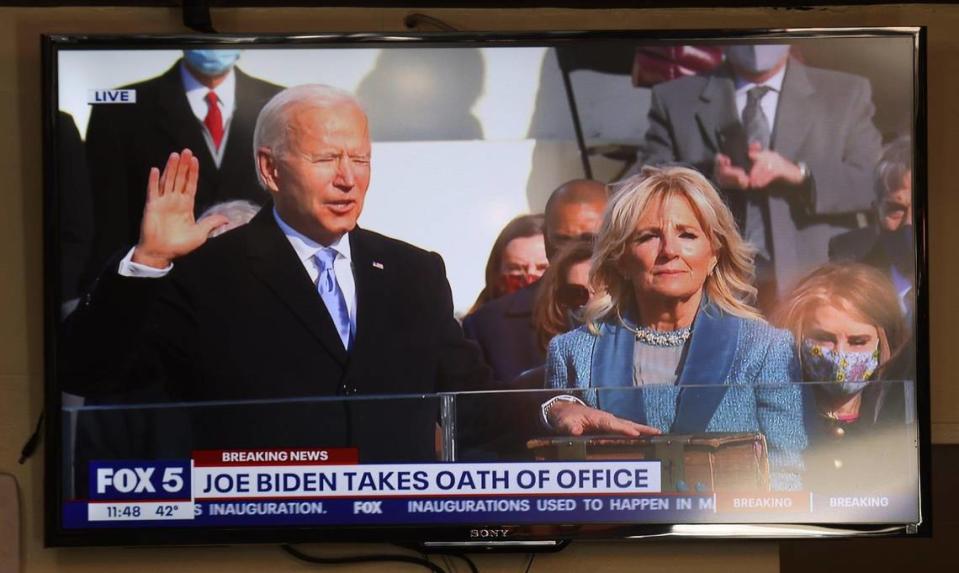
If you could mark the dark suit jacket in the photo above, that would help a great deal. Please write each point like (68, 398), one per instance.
(854, 245)
(503, 328)
(880, 442)
(824, 119)
(74, 207)
(866, 246)
(125, 141)
(239, 319)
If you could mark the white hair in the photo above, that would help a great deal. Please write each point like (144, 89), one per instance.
(894, 163)
(238, 212)
(270, 131)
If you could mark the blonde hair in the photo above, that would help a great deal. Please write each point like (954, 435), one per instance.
(729, 286)
(863, 291)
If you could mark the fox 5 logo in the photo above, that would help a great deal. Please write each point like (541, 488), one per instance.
(139, 480)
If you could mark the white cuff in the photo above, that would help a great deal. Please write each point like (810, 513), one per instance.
(545, 408)
(128, 268)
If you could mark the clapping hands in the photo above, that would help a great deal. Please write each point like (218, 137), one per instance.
(767, 167)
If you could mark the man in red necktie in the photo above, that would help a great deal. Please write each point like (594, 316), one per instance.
(214, 119)
(204, 102)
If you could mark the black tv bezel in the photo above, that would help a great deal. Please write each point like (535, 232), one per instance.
(57, 536)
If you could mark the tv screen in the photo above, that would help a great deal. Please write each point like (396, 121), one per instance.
(485, 288)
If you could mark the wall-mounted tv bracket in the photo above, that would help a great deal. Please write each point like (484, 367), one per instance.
(196, 16)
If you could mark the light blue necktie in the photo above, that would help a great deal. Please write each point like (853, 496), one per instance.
(331, 294)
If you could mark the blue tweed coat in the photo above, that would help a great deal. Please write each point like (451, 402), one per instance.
(736, 376)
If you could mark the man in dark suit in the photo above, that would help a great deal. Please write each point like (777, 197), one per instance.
(299, 303)
(503, 327)
(893, 203)
(889, 244)
(75, 212)
(204, 103)
(792, 147)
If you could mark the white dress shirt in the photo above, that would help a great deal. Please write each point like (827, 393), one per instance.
(226, 100)
(128, 268)
(305, 249)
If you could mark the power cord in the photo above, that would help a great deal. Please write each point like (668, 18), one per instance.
(32, 442)
(364, 559)
(469, 562)
(447, 553)
(418, 21)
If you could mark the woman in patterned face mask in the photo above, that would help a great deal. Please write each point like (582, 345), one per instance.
(848, 324)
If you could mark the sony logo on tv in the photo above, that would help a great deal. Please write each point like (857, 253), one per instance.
(96, 97)
(488, 533)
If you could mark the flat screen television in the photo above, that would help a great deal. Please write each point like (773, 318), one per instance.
(301, 288)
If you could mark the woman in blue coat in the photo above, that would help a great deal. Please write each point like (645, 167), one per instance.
(671, 343)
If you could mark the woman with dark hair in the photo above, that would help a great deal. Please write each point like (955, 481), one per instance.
(517, 259)
(848, 326)
(564, 290)
(671, 342)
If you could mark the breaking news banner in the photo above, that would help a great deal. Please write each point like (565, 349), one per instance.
(330, 487)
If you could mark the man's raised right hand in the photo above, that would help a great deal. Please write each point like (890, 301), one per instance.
(168, 229)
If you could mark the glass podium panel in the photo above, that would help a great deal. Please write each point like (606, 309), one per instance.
(778, 453)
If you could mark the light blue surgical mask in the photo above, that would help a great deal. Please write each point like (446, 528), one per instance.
(846, 373)
(756, 59)
(211, 62)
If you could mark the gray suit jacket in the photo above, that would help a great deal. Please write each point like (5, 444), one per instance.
(824, 119)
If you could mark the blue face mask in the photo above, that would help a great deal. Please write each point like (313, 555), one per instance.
(756, 59)
(211, 62)
(845, 373)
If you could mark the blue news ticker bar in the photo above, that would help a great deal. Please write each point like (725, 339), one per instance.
(656, 508)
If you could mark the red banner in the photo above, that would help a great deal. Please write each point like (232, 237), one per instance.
(277, 457)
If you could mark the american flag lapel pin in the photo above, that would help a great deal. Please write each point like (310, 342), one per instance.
(377, 265)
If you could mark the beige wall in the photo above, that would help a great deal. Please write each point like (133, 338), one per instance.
(21, 331)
